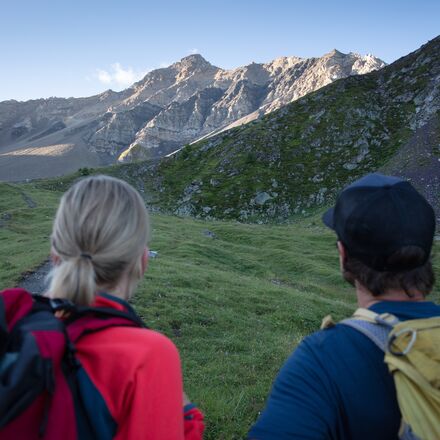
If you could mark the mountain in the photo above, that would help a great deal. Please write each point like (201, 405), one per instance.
(298, 157)
(167, 109)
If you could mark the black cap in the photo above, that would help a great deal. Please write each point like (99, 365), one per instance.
(377, 215)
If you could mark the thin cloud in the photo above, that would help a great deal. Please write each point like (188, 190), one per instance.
(194, 51)
(104, 76)
(118, 76)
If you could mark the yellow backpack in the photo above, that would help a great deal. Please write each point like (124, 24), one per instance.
(412, 353)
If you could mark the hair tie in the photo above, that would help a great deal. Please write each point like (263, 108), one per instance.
(87, 256)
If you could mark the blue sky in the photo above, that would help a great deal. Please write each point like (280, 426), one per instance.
(79, 48)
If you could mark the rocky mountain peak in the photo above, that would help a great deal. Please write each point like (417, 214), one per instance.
(107, 94)
(335, 53)
(193, 65)
(192, 62)
(282, 63)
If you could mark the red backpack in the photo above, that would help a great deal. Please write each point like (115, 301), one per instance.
(44, 391)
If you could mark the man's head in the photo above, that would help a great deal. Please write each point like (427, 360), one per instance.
(386, 229)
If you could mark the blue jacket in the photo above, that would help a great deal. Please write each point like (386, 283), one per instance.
(336, 385)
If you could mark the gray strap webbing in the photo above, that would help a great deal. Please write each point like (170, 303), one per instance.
(375, 332)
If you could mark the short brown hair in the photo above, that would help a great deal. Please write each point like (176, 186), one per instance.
(418, 279)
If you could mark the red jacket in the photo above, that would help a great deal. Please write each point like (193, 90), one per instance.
(138, 373)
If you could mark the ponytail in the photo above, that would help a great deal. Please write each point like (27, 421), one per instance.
(74, 279)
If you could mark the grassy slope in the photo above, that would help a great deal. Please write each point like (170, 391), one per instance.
(235, 305)
(25, 222)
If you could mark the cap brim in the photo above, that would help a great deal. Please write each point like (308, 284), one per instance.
(327, 218)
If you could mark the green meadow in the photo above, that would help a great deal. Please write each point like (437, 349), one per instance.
(235, 298)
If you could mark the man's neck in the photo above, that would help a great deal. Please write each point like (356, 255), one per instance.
(366, 299)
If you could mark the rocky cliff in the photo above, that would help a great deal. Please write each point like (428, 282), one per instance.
(203, 99)
(168, 108)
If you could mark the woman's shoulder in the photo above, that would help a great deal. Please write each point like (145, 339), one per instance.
(133, 334)
(123, 362)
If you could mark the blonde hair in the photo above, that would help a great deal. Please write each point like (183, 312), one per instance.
(99, 234)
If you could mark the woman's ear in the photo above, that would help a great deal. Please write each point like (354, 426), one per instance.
(144, 260)
(56, 260)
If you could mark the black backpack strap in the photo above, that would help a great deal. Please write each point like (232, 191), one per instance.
(104, 313)
(80, 320)
(3, 327)
(3, 323)
(59, 304)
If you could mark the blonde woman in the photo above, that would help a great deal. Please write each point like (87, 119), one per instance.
(99, 249)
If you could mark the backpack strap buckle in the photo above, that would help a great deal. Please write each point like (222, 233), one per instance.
(387, 319)
(58, 304)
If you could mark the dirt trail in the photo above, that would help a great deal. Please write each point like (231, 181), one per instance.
(35, 282)
(28, 200)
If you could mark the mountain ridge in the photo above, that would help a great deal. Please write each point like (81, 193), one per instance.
(139, 122)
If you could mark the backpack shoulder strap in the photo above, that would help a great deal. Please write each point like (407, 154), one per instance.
(86, 320)
(80, 320)
(376, 333)
(374, 326)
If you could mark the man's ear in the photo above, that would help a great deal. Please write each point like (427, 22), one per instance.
(342, 255)
(144, 260)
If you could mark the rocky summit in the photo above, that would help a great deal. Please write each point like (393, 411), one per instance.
(168, 108)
